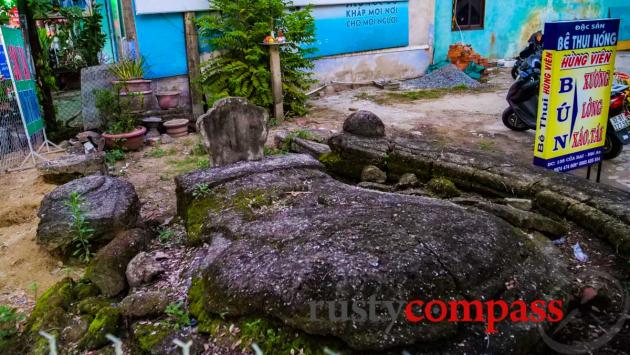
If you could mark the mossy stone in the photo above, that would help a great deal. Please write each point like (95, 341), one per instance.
(271, 336)
(50, 308)
(93, 305)
(107, 321)
(85, 290)
(150, 336)
(444, 188)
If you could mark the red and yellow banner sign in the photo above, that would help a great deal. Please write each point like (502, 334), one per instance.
(576, 80)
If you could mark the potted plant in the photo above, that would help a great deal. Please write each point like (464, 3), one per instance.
(121, 131)
(168, 99)
(130, 83)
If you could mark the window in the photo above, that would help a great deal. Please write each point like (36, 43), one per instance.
(468, 14)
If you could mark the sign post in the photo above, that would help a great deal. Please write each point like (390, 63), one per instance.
(576, 80)
(14, 63)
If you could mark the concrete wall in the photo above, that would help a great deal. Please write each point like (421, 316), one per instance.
(370, 51)
(508, 23)
(390, 63)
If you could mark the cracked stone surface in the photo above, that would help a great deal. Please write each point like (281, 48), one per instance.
(286, 237)
(600, 208)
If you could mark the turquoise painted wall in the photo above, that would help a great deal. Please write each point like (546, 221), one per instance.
(509, 23)
(162, 43)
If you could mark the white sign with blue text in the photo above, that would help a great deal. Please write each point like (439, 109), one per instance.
(144, 7)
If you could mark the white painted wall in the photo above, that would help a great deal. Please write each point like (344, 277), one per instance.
(396, 63)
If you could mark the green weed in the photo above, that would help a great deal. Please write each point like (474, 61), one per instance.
(9, 320)
(200, 191)
(114, 155)
(166, 235)
(82, 233)
(177, 315)
(486, 145)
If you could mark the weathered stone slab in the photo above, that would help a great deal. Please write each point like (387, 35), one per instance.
(488, 174)
(234, 130)
(304, 146)
(281, 239)
(71, 167)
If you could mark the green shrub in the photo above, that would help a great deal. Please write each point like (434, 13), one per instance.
(81, 231)
(237, 29)
(128, 69)
(115, 110)
(9, 320)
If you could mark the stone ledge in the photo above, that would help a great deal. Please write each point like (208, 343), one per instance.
(601, 209)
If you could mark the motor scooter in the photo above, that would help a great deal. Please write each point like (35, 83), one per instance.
(522, 113)
(534, 46)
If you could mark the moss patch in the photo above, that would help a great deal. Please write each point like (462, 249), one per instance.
(349, 166)
(107, 321)
(55, 301)
(443, 187)
(148, 336)
(85, 289)
(271, 336)
(330, 159)
(385, 98)
(93, 305)
(197, 213)
(245, 201)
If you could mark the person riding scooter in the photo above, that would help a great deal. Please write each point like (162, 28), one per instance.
(534, 46)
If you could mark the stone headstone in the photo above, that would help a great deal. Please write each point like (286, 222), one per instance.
(93, 78)
(234, 130)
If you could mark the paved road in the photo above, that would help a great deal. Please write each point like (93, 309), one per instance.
(470, 119)
(623, 61)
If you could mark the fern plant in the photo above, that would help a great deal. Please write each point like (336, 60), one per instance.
(82, 233)
(236, 30)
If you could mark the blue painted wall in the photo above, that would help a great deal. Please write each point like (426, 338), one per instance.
(162, 43)
(508, 23)
(361, 27)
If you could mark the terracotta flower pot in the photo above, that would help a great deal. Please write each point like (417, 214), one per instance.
(168, 99)
(129, 141)
(177, 128)
(137, 85)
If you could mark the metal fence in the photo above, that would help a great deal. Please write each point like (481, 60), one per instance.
(14, 147)
(68, 107)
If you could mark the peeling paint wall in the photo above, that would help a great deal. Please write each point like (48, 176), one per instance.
(509, 24)
(373, 66)
(405, 61)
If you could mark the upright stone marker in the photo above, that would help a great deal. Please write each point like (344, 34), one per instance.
(234, 130)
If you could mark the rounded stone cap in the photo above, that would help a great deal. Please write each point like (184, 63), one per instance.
(364, 124)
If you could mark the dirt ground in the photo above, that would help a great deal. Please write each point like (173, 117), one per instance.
(25, 269)
(465, 118)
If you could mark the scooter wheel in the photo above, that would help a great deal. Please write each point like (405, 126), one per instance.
(511, 121)
(613, 145)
